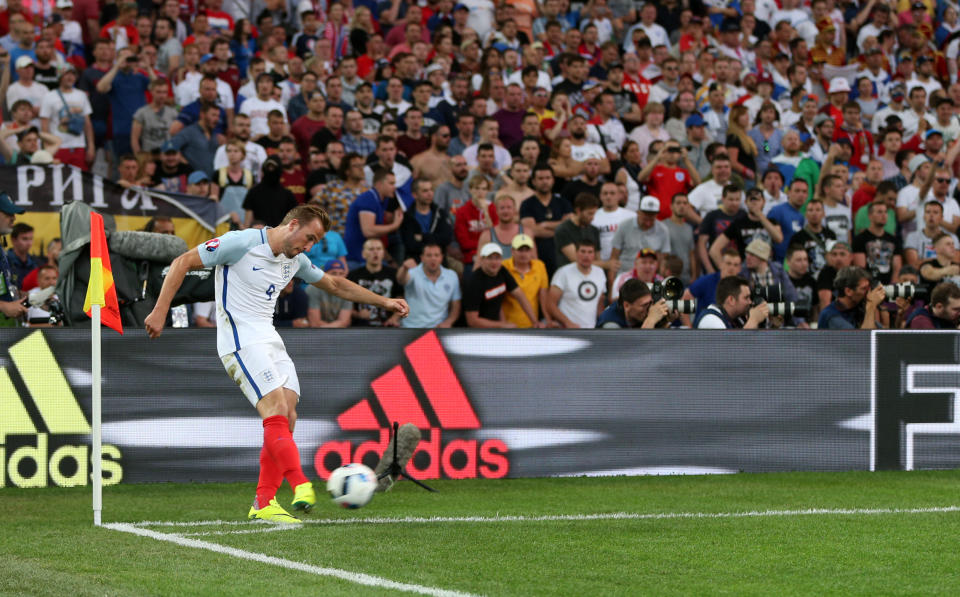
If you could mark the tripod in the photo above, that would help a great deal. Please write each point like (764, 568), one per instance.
(394, 470)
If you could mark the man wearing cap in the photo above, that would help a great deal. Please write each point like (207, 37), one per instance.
(761, 271)
(198, 185)
(763, 95)
(66, 112)
(696, 145)
(171, 173)
(25, 88)
(839, 90)
(823, 129)
(531, 276)
(641, 232)
(485, 289)
(10, 307)
(577, 290)
(824, 46)
(645, 266)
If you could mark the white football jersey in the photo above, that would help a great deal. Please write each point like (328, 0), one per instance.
(249, 278)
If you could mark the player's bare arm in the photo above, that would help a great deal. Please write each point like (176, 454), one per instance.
(352, 291)
(171, 284)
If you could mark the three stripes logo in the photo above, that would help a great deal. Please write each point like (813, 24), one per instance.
(431, 398)
(36, 435)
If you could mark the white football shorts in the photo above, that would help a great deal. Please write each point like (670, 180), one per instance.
(261, 368)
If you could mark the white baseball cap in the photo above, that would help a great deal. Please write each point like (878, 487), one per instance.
(23, 62)
(650, 204)
(839, 84)
(489, 249)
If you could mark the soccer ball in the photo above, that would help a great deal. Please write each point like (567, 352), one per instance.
(352, 485)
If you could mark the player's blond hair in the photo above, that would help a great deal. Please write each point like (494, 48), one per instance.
(305, 214)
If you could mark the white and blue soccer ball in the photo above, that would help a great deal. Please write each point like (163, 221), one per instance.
(352, 485)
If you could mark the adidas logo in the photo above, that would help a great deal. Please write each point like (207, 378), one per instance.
(432, 398)
(41, 455)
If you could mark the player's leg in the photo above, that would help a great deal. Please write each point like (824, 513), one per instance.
(257, 378)
(277, 409)
(304, 496)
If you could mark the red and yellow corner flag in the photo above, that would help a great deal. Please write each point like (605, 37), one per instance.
(100, 290)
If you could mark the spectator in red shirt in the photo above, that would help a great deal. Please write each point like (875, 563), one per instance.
(220, 21)
(473, 218)
(852, 129)
(839, 91)
(122, 30)
(665, 178)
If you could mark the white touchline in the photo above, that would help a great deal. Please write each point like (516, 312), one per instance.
(573, 517)
(354, 577)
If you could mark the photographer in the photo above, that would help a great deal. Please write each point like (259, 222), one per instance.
(733, 302)
(943, 311)
(10, 307)
(856, 303)
(635, 309)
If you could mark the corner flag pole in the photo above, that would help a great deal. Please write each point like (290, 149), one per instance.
(96, 415)
(101, 292)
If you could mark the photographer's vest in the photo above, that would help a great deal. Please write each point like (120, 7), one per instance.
(713, 310)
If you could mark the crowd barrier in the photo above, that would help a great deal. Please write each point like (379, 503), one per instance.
(490, 404)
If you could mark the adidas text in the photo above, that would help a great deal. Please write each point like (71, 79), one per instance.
(42, 449)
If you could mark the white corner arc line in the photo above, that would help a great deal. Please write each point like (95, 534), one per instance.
(575, 517)
(354, 577)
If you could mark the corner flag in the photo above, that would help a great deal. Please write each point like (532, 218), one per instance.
(101, 290)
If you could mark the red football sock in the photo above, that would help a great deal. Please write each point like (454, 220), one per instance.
(278, 441)
(270, 478)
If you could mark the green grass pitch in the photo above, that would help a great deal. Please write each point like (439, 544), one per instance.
(810, 534)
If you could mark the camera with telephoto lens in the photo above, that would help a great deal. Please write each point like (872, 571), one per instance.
(670, 290)
(772, 294)
(55, 309)
(905, 289)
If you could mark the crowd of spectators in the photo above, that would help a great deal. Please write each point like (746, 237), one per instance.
(529, 164)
